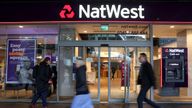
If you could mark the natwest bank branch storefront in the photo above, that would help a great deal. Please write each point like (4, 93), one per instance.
(109, 36)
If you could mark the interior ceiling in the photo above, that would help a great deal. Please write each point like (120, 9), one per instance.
(29, 29)
(158, 30)
(164, 31)
(113, 28)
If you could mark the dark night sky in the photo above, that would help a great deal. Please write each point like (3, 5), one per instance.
(14, 1)
(48, 10)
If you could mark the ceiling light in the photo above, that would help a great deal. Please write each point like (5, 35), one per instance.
(20, 26)
(39, 57)
(85, 31)
(172, 26)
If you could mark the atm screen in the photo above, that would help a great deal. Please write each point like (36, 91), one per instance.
(174, 64)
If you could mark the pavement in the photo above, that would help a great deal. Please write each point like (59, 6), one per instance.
(131, 105)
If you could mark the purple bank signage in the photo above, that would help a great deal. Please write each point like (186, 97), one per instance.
(21, 55)
(92, 10)
(174, 67)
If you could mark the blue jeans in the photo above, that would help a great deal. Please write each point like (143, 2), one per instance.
(42, 95)
(82, 101)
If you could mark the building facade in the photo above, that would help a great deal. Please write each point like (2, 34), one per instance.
(109, 36)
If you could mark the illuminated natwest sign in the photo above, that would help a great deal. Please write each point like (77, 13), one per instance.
(93, 11)
(176, 50)
(107, 11)
(67, 12)
(103, 12)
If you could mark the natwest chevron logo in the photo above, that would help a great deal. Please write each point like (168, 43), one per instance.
(67, 12)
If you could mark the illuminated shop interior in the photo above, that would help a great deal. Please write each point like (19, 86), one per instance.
(98, 58)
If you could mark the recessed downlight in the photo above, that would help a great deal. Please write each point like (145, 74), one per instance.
(20, 26)
(85, 31)
(172, 26)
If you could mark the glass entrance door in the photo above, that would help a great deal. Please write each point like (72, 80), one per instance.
(119, 73)
(111, 72)
(123, 70)
(116, 63)
(112, 66)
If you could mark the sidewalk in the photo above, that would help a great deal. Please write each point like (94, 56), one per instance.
(25, 105)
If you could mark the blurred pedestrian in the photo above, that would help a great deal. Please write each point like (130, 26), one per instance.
(54, 78)
(42, 79)
(82, 98)
(113, 72)
(147, 80)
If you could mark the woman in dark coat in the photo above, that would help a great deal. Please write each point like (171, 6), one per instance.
(82, 98)
(41, 80)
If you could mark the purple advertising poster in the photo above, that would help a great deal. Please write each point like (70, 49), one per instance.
(21, 55)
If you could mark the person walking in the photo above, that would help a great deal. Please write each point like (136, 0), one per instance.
(146, 79)
(42, 78)
(113, 72)
(54, 78)
(82, 98)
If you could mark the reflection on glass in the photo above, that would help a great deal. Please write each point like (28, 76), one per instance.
(122, 37)
(66, 88)
(92, 70)
(118, 70)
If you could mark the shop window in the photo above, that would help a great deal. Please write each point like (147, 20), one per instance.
(172, 47)
(26, 45)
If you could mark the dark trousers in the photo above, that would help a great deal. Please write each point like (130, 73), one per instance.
(42, 95)
(142, 97)
(113, 74)
(54, 85)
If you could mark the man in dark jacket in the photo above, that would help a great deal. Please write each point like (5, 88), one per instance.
(41, 80)
(146, 79)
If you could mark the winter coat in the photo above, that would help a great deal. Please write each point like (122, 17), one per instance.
(43, 77)
(81, 81)
(146, 75)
